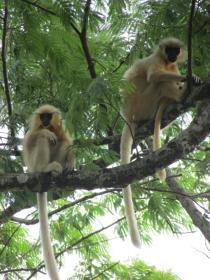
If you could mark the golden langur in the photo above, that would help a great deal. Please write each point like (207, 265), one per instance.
(46, 148)
(156, 83)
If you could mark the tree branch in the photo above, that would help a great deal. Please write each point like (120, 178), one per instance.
(4, 67)
(98, 276)
(85, 18)
(41, 265)
(189, 46)
(119, 176)
(17, 270)
(43, 9)
(9, 240)
(82, 35)
(188, 204)
(40, 7)
(83, 39)
(60, 209)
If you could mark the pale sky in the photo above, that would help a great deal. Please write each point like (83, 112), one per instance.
(177, 254)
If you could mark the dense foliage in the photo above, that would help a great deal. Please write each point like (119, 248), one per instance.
(72, 54)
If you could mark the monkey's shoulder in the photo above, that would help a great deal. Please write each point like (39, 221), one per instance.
(137, 69)
(141, 67)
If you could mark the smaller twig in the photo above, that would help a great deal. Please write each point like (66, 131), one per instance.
(189, 46)
(18, 270)
(41, 265)
(9, 239)
(85, 18)
(64, 207)
(203, 253)
(49, 12)
(125, 121)
(105, 270)
(83, 40)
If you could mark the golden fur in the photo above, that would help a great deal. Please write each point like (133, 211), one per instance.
(46, 148)
(156, 82)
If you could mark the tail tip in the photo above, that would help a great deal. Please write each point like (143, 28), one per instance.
(136, 241)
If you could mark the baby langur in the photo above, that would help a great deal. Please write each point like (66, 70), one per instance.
(46, 148)
(156, 83)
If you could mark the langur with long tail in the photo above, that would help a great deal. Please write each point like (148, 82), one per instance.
(47, 148)
(156, 82)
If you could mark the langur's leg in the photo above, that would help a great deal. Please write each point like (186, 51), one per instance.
(40, 156)
(127, 142)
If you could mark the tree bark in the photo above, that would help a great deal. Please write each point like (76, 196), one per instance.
(188, 204)
(119, 176)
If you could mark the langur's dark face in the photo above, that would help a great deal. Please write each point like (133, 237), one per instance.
(172, 53)
(45, 119)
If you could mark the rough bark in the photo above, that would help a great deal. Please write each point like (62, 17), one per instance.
(188, 204)
(119, 176)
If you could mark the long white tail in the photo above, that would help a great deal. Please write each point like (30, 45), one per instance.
(125, 154)
(49, 257)
(156, 138)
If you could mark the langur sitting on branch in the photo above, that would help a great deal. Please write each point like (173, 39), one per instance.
(46, 148)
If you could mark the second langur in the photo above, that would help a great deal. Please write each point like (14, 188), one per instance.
(46, 148)
(156, 83)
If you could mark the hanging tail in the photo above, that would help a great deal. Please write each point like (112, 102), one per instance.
(49, 257)
(125, 154)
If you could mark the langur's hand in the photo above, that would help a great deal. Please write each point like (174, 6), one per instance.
(183, 78)
(50, 136)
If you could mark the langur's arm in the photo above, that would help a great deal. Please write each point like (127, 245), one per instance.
(156, 76)
(46, 133)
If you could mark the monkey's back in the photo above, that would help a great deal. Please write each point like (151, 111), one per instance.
(142, 101)
(138, 105)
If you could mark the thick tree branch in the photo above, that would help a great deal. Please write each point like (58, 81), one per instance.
(190, 207)
(4, 67)
(119, 176)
